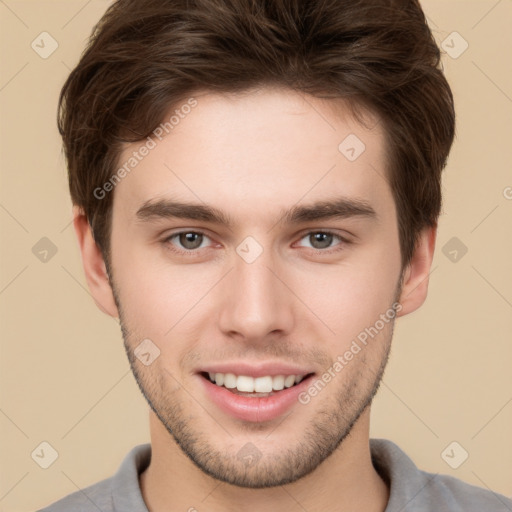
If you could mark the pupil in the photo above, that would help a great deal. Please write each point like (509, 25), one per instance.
(190, 240)
(324, 238)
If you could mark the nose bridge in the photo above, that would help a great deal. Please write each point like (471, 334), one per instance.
(256, 302)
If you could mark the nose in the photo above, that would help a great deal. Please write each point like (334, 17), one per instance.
(256, 301)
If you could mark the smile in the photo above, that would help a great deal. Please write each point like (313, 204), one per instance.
(261, 385)
(254, 399)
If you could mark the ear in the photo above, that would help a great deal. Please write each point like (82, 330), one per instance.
(416, 275)
(94, 265)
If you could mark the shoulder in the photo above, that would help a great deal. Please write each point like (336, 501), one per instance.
(421, 491)
(463, 497)
(119, 493)
(90, 499)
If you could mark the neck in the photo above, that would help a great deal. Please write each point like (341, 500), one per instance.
(345, 481)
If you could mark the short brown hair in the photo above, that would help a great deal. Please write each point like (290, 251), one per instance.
(144, 56)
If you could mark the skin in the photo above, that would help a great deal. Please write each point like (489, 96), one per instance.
(255, 156)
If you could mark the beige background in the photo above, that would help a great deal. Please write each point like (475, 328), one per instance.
(64, 375)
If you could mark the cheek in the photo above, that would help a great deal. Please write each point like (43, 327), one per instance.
(157, 297)
(160, 298)
(349, 298)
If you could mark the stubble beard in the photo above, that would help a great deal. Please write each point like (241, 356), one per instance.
(328, 427)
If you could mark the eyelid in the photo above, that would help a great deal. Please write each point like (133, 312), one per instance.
(167, 240)
(343, 240)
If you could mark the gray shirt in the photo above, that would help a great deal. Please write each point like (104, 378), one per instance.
(411, 490)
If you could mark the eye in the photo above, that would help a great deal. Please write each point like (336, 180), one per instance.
(187, 241)
(321, 240)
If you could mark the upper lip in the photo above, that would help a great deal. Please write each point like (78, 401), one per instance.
(255, 369)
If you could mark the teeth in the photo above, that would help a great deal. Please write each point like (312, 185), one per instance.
(263, 384)
(289, 381)
(248, 384)
(278, 382)
(230, 381)
(244, 383)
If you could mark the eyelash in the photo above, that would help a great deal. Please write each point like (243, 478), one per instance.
(193, 252)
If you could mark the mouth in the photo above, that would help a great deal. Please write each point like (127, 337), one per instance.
(254, 399)
(245, 385)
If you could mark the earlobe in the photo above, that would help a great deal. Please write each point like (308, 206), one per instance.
(416, 275)
(94, 265)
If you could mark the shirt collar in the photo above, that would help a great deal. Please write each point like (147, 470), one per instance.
(392, 464)
(126, 492)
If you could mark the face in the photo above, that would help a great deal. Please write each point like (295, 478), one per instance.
(252, 246)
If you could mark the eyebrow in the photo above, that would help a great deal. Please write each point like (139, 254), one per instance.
(338, 208)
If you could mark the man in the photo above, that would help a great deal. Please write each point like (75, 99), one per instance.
(256, 188)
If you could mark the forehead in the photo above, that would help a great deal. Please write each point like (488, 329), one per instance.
(269, 147)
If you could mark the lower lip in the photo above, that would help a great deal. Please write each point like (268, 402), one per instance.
(254, 409)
